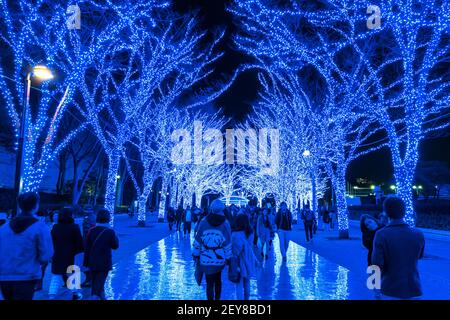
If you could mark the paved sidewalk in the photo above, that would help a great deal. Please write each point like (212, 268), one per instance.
(165, 270)
(132, 239)
(153, 263)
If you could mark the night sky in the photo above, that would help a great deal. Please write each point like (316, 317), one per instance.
(237, 102)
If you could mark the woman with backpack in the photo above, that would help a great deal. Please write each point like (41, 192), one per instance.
(243, 256)
(100, 242)
(212, 248)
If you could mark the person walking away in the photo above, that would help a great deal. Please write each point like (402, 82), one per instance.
(242, 250)
(212, 248)
(187, 221)
(264, 228)
(396, 250)
(331, 217)
(369, 226)
(25, 245)
(170, 217)
(88, 224)
(179, 217)
(67, 243)
(308, 221)
(283, 221)
(383, 218)
(101, 240)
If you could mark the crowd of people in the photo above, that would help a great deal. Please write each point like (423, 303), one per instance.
(28, 245)
(238, 237)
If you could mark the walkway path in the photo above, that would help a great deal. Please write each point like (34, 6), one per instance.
(153, 263)
(165, 270)
(434, 268)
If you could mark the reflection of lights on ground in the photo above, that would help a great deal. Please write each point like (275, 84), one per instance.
(165, 270)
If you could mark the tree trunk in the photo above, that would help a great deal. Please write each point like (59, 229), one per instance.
(97, 182)
(341, 202)
(75, 188)
(61, 174)
(404, 182)
(142, 204)
(162, 200)
(78, 186)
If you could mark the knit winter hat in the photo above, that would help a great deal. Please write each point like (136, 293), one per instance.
(217, 207)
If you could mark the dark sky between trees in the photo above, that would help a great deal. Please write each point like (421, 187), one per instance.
(237, 102)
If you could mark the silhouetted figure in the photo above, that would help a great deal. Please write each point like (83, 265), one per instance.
(101, 240)
(283, 220)
(170, 217)
(309, 221)
(187, 221)
(179, 217)
(25, 245)
(212, 248)
(396, 251)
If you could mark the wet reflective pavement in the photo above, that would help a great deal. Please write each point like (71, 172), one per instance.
(165, 271)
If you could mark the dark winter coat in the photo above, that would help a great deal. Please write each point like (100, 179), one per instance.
(179, 214)
(100, 242)
(284, 220)
(170, 215)
(67, 243)
(308, 216)
(396, 251)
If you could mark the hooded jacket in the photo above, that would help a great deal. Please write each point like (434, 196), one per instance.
(25, 244)
(212, 243)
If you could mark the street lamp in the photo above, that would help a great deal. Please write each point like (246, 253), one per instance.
(42, 73)
(307, 155)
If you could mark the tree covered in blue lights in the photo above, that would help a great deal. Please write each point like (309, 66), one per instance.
(389, 78)
(36, 33)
